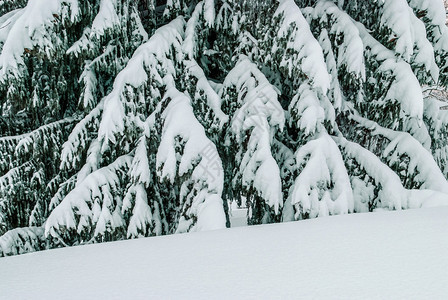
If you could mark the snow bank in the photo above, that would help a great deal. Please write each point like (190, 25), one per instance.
(384, 255)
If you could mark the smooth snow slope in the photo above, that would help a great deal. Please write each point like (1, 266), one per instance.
(387, 255)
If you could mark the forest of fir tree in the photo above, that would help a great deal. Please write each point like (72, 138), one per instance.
(122, 119)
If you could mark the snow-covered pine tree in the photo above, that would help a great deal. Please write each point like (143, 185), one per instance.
(121, 119)
(120, 125)
(188, 162)
(257, 116)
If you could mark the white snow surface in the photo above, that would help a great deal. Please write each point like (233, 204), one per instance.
(384, 255)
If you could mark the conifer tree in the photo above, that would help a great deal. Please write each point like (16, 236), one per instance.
(123, 119)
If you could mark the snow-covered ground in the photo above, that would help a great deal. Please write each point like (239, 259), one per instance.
(238, 218)
(384, 255)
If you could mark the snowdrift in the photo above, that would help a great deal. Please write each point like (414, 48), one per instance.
(384, 255)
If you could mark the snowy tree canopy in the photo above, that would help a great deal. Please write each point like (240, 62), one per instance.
(124, 119)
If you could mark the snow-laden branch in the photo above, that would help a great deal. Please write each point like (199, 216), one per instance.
(136, 203)
(22, 240)
(433, 14)
(420, 167)
(322, 187)
(204, 89)
(436, 118)
(308, 57)
(106, 20)
(79, 139)
(33, 28)
(404, 90)
(93, 208)
(152, 60)
(203, 12)
(394, 24)
(44, 140)
(350, 49)
(378, 187)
